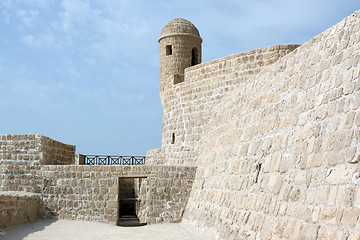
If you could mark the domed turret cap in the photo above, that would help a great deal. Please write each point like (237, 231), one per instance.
(179, 27)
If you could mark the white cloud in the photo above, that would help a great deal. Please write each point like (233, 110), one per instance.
(44, 4)
(28, 17)
(75, 14)
(106, 29)
(121, 39)
(30, 40)
(6, 17)
(20, 9)
(90, 61)
(45, 40)
(7, 3)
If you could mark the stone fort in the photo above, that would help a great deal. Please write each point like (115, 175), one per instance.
(262, 144)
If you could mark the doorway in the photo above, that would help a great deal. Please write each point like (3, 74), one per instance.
(132, 194)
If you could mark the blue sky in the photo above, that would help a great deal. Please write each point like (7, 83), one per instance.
(86, 72)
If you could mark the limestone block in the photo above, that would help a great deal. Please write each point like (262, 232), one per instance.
(266, 230)
(317, 160)
(286, 162)
(288, 228)
(322, 194)
(329, 214)
(340, 174)
(275, 183)
(310, 196)
(309, 231)
(112, 204)
(354, 235)
(326, 233)
(315, 214)
(350, 217)
(357, 199)
(332, 195)
(321, 112)
(296, 234)
(279, 226)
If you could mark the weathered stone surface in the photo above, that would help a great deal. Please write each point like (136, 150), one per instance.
(298, 117)
(163, 191)
(21, 157)
(257, 145)
(19, 207)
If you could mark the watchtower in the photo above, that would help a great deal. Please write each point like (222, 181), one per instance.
(180, 47)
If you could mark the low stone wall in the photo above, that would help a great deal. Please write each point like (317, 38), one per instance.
(21, 158)
(18, 208)
(34, 163)
(35, 147)
(20, 147)
(92, 192)
(20, 175)
(56, 153)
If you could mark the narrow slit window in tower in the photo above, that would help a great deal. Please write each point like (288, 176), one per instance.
(172, 138)
(168, 49)
(194, 56)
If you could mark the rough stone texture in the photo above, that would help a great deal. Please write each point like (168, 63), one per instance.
(280, 154)
(92, 192)
(79, 159)
(187, 105)
(272, 135)
(18, 208)
(21, 157)
(34, 163)
(182, 36)
(56, 153)
(35, 147)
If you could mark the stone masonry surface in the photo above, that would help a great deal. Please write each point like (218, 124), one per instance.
(187, 106)
(34, 163)
(91, 192)
(21, 157)
(280, 154)
(256, 145)
(18, 208)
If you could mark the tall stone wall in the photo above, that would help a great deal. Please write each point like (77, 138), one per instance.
(21, 158)
(281, 156)
(92, 192)
(187, 105)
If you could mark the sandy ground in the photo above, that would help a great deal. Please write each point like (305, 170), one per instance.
(47, 229)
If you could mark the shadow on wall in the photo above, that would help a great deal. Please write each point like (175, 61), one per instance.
(21, 207)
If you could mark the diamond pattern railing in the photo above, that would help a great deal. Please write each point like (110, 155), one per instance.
(110, 160)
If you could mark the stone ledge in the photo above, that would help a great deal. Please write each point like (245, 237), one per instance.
(18, 207)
